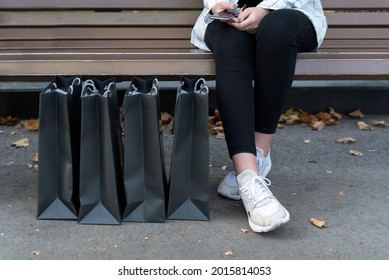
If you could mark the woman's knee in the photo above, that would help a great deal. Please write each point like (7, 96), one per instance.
(282, 25)
(226, 41)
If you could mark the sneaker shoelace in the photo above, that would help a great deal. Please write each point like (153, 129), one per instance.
(257, 189)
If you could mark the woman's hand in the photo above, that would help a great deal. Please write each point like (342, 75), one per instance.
(222, 6)
(249, 19)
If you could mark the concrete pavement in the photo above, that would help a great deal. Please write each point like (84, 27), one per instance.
(319, 179)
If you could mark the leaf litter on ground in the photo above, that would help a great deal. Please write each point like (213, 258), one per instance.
(316, 121)
(22, 143)
(318, 223)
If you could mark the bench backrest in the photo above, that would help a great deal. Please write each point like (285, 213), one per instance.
(154, 27)
(351, 22)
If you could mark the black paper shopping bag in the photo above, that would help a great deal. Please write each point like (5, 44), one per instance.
(144, 175)
(101, 177)
(188, 185)
(59, 149)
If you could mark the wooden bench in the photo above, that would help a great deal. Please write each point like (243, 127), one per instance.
(121, 38)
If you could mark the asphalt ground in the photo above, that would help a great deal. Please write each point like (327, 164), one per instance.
(313, 175)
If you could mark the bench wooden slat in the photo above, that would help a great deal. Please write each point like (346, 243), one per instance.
(355, 4)
(353, 68)
(120, 46)
(93, 33)
(355, 19)
(162, 44)
(145, 18)
(358, 33)
(90, 18)
(368, 45)
(53, 51)
(118, 33)
(140, 54)
(139, 4)
(143, 54)
(99, 4)
(94, 44)
(334, 48)
(87, 45)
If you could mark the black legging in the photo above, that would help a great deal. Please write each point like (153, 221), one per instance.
(268, 58)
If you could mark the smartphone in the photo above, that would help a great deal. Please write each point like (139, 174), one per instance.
(227, 14)
(224, 15)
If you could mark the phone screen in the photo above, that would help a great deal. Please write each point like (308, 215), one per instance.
(224, 15)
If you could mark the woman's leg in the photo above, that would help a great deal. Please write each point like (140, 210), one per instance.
(280, 36)
(234, 56)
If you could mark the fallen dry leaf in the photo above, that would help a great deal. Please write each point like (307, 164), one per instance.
(229, 253)
(330, 118)
(305, 117)
(346, 140)
(244, 230)
(35, 158)
(166, 118)
(357, 114)
(287, 115)
(31, 125)
(215, 125)
(36, 253)
(307, 141)
(293, 119)
(319, 125)
(378, 123)
(9, 121)
(36, 167)
(291, 112)
(331, 121)
(218, 131)
(356, 153)
(335, 115)
(22, 143)
(217, 115)
(147, 238)
(313, 119)
(318, 223)
(323, 116)
(341, 193)
(363, 126)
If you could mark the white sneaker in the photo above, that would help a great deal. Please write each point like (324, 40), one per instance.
(264, 211)
(229, 187)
